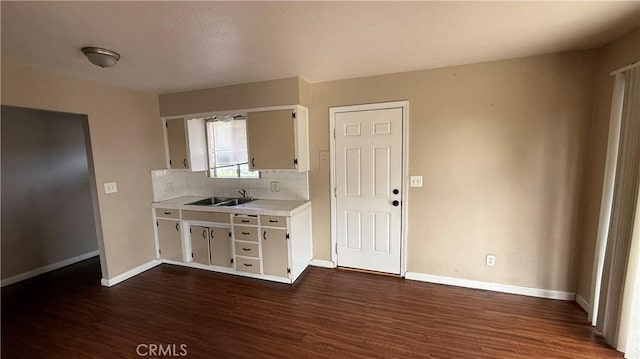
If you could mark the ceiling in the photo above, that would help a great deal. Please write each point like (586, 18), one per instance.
(176, 46)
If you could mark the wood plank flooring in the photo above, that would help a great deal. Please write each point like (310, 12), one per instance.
(326, 314)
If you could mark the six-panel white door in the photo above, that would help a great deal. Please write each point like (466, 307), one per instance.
(368, 151)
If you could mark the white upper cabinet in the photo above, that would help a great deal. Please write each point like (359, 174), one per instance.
(278, 139)
(186, 144)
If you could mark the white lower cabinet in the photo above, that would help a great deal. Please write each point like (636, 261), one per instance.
(276, 248)
(275, 252)
(169, 241)
(211, 245)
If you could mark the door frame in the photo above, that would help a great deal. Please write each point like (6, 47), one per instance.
(405, 173)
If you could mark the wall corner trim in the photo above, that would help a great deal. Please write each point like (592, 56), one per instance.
(322, 263)
(583, 304)
(130, 273)
(48, 268)
(496, 287)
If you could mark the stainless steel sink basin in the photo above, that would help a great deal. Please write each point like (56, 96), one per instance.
(235, 201)
(221, 201)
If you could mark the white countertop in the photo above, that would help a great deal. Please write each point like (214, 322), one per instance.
(259, 206)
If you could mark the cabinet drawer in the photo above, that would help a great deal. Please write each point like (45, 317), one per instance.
(248, 249)
(205, 216)
(248, 265)
(252, 221)
(242, 233)
(167, 213)
(273, 221)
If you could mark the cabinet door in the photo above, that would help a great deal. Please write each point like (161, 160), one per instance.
(220, 247)
(177, 144)
(200, 244)
(271, 140)
(169, 239)
(275, 252)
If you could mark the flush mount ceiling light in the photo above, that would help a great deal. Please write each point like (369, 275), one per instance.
(101, 57)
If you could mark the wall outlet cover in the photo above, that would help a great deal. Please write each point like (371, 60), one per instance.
(275, 186)
(110, 187)
(415, 181)
(491, 260)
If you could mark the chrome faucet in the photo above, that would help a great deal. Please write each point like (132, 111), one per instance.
(243, 192)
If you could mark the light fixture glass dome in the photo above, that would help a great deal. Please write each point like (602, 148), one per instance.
(101, 57)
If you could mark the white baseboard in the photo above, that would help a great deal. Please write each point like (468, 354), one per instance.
(48, 268)
(322, 263)
(130, 273)
(496, 287)
(583, 304)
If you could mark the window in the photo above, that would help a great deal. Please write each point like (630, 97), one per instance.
(227, 147)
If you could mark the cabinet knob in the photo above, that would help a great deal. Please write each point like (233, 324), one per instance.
(395, 203)
(396, 191)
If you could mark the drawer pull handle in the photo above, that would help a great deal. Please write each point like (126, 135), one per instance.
(245, 221)
(204, 234)
(246, 249)
(273, 221)
(177, 226)
(248, 265)
(167, 212)
(264, 235)
(246, 233)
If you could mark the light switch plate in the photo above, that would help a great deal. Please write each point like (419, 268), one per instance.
(491, 260)
(325, 164)
(416, 181)
(110, 187)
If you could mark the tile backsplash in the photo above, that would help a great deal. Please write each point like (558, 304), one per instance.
(292, 186)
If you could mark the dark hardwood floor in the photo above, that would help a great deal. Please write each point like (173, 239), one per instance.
(326, 314)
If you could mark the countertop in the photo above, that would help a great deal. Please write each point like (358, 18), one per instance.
(259, 206)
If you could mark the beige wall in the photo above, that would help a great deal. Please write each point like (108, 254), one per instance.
(236, 97)
(501, 147)
(126, 137)
(619, 53)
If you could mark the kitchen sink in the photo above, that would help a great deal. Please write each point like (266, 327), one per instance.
(221, 201)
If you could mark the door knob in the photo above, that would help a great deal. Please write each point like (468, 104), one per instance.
(395, 191)
(395, 203)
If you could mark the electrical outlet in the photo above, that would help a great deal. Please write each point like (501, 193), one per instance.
(275, 186)
(415, 181)
(168, 187)
(491, 260)
(110, 187)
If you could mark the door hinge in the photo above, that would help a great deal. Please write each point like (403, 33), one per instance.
(336, 248)
(287, 235)
(335, 192)
(289, 270)
(293, 115)
(295, 161)
(334, 133)
(190, 230)
(157, 224)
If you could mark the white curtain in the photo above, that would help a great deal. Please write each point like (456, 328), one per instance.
(625, 194)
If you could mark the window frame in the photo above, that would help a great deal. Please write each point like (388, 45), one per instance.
(212, 172)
